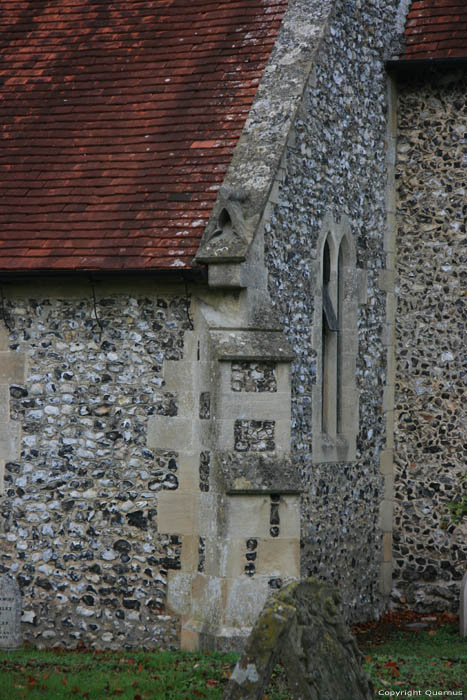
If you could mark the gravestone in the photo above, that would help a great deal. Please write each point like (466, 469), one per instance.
(10, 613)
(463, 608)
(301, 626)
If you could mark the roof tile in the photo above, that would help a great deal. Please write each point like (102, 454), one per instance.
(436, 29)
(118, 122)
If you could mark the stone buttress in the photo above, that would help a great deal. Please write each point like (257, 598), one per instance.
(237, 507)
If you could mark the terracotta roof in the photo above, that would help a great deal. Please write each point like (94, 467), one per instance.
(119, 119)
(436, 29)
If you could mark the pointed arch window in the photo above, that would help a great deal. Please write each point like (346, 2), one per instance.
(335, 418)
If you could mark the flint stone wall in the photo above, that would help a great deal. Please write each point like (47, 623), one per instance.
(335, 163)
(78, 517)
(429, 549)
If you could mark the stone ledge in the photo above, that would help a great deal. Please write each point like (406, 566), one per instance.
(251, 345)
(246, 474)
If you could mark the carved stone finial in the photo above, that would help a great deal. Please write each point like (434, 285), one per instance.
(229, 231)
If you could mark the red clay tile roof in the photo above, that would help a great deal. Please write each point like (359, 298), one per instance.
(436, 29)
(119, 119)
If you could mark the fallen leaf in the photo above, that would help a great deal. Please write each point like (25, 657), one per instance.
(367, 658)
(212, 683)
(140, 667)
(448, 664)
(393, 666)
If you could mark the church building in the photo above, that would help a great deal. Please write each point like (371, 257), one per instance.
(231, 317)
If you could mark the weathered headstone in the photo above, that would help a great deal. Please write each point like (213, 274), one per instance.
(10, 613)
(463, 608)
(302, 627)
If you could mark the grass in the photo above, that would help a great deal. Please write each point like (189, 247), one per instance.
(58, 674)
(433, 659)
(397, 660)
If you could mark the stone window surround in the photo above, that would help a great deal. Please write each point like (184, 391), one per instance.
(338, 442)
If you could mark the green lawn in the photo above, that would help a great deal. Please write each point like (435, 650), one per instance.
(435, 660)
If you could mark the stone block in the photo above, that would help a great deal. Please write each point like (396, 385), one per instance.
(4, 338)
(389, 234)
(386, 462)
(282, 433)
(388, 334)
(386, 280)
(208, 594)
(189, 639)
(388, 397)
(289, 514)
(190, 346)
(279, 557)
(176, 513)
(233, 559)
(12, 367)
(216, 556)
(387, 546)
(227, 275)
(245, 599)
(224, 435)
(171, 433)
(9, 441)
(248, 516)
(389, 487)
(189, 555)
(391, 365)
(188, 473)
(179, 374)
(385, 515)
(389, 424)
(211, 514)
(390, 265)
(179, 592)
(386, 578)
(4, 403)
(283, 378)
(187, 402)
